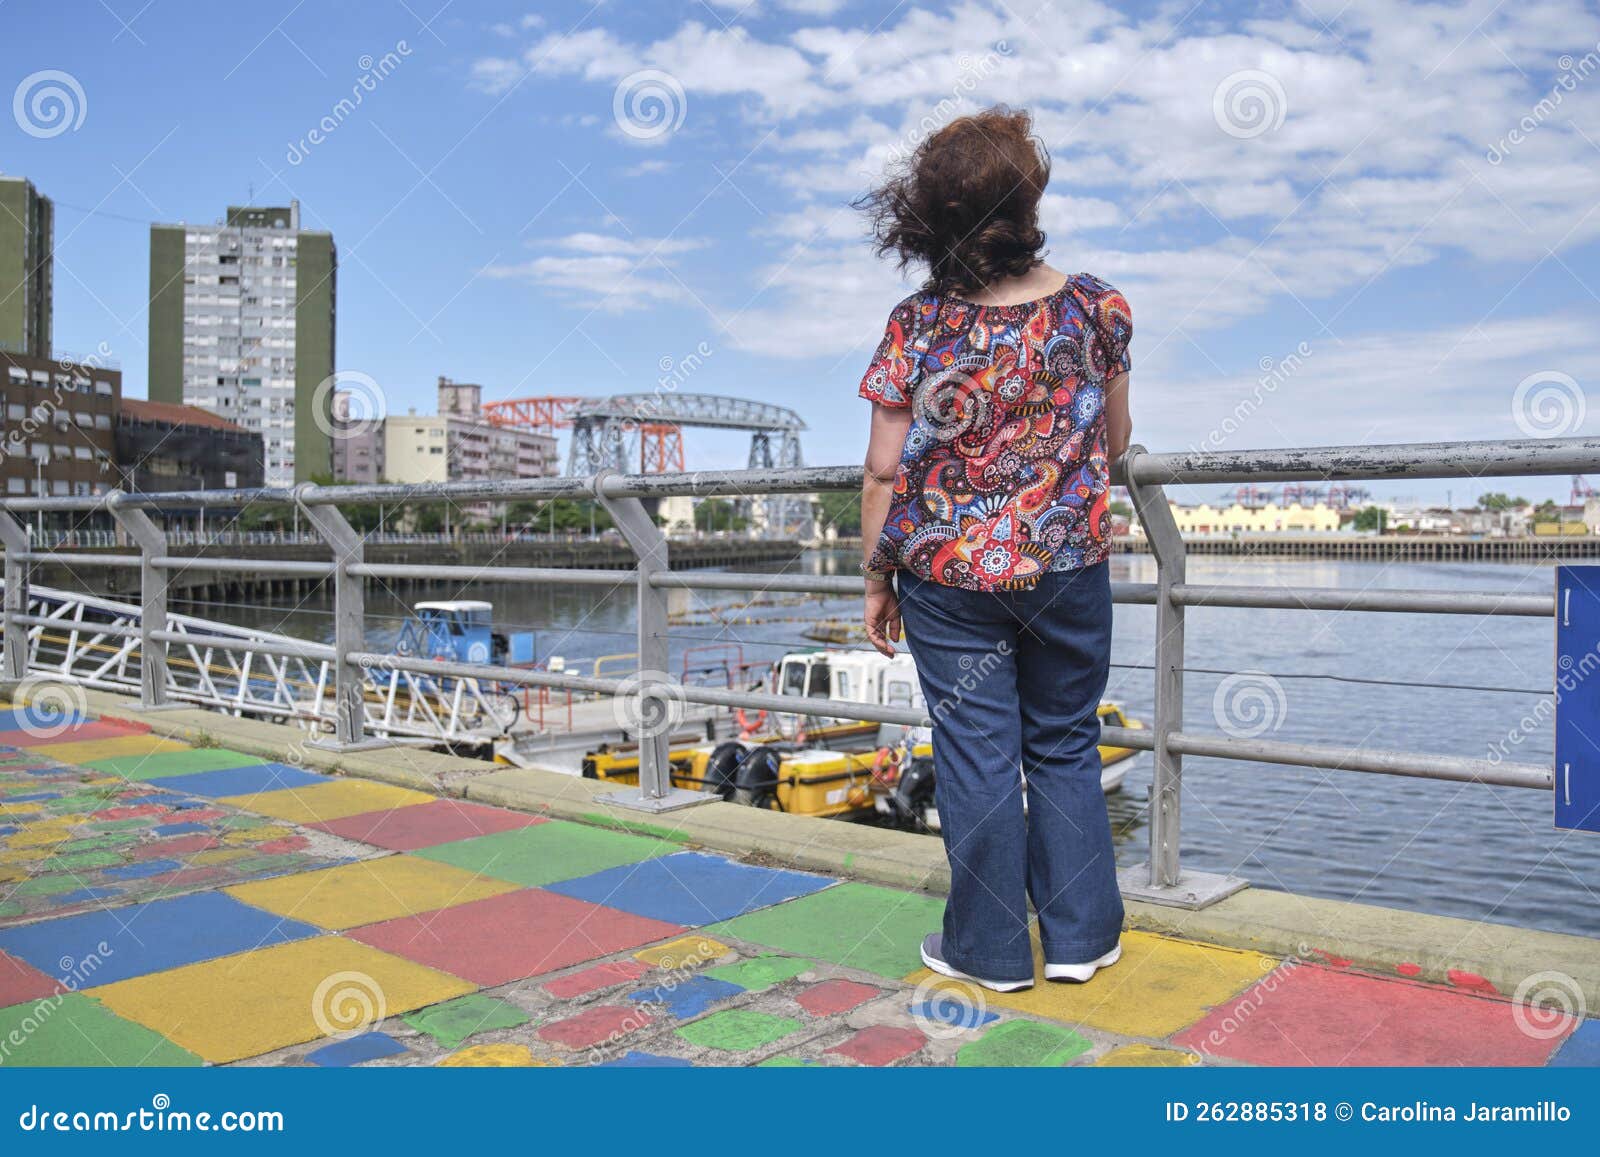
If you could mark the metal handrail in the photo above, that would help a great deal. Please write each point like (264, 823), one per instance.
(1145, 474)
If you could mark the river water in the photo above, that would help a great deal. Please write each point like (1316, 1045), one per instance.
(1484, 853)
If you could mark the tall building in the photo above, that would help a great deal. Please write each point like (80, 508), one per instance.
(60, 419)
(27, 231)
(242, 320)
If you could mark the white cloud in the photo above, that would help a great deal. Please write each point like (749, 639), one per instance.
(605, 272)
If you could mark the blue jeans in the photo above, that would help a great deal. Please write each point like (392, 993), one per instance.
(1012, 681)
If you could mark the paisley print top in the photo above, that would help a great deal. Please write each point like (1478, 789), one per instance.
(1004, 474)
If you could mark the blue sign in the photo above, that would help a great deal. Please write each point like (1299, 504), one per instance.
(1578, 698)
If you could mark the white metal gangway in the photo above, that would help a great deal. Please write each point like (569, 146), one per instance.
(94, 642)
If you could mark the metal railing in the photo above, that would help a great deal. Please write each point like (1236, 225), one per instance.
(658, 695)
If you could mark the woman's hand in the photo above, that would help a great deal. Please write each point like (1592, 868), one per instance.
(882, 617)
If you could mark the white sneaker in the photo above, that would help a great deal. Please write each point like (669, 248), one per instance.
(1078, 973)
(932, 945)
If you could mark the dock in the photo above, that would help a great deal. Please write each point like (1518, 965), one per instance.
(187, 890)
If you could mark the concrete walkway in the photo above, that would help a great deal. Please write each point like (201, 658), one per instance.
(166, 904)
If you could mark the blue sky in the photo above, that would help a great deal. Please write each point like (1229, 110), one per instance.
(1393, 217)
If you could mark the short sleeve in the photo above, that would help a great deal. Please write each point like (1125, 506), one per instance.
(892, 375)
(1114, 321)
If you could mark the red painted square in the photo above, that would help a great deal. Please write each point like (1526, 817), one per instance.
(595, 978)
(175, 846)
(21, 983)
(514, 936)
(880, 1045)
(91, 729)
(281, 846)
(606, 1022)
(426, 825)
(129, 812)
(1318, 1016)
(835, 996)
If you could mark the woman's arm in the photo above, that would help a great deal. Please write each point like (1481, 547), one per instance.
(1119, 421)
(881, 613)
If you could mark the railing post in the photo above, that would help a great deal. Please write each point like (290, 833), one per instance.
(152, 543)
(1163, 880)
(657, 701)
(15, 537)
(349, 626)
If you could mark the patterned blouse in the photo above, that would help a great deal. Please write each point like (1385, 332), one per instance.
(1004, 474)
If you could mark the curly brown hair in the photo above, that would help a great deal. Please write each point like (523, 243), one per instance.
(966, 203)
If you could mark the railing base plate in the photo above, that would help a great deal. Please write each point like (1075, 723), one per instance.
(636, 800)
(144, 709)
(1194, 890)
(341, 748)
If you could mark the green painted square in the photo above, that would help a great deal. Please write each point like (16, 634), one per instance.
(547, 853)
(760, 973)
(452, 1022)
(74, 1030)
(159, 763)
(856, 925)
(1023, 1044)
(738, 1030)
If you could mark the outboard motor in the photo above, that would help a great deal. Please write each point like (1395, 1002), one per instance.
(757, 779)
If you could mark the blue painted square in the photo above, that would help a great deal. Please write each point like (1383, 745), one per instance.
(183, 829)
(37, 717)
(143, 938)
(690, 888)
(1581, 1050)
(142, 869)
(84, 895)
(34, 798)
(164, 798)
(952, 1012)
(369, 1046)
(633, 1060)
(690, 998)
(239, 780)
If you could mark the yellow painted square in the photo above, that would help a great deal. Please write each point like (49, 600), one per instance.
(1159, 986)
(351, 895)
(88, 750)
(687, 952)
(250, 1004)
(258, 835)
(334, 800)
(20, 809)
(1146, 1057)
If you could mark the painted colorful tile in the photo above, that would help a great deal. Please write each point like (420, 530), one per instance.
(880, 1044)
(426, 825)
(164, 763)
(760, 973)
(356, 1050)
(494, 1056)
(1581, 1049)
(685, 952)
(75, 733)
(959, 1006)
(691, 888)
(686, 999)
(1140, 1056)
(513, 936)
(73, 1030)
(738, 1030)
(368, 892)
(244, 1006)
(247, 780)
(633, 1060)
(835, 996)
(45, 716)
(21, 981)
(1159, 986)
(93, 749)
(594, 978)
(1023, 1044)
(600, 1024)
(114, 944)
(854, 925)
(1310, 1015)
(452, 1022)
(549, 852)
(332, 799)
